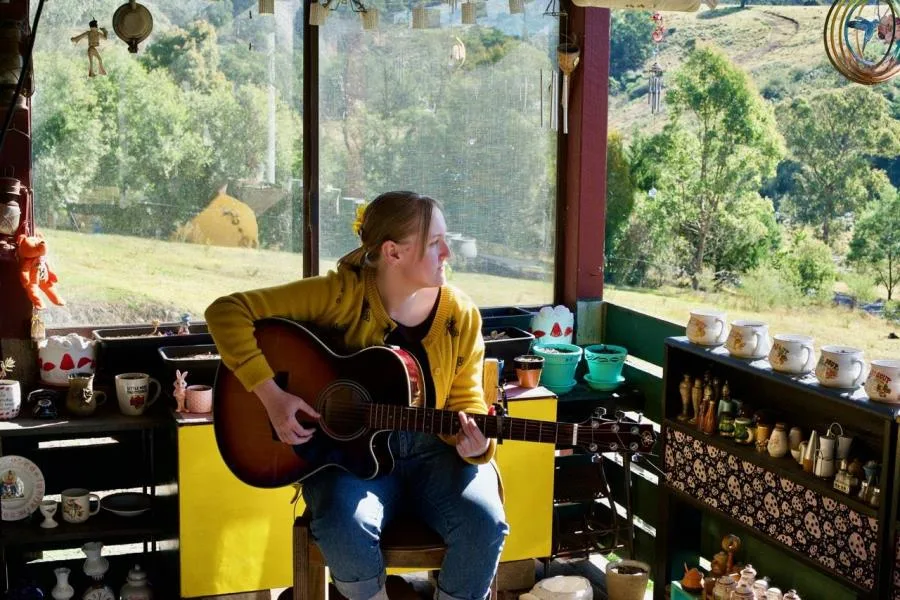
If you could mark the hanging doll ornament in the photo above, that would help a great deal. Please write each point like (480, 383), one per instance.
(568, 55)
(656, 73)
(93, 35)
(862, 39)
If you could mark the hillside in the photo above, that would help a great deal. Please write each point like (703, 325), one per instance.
(780, 47)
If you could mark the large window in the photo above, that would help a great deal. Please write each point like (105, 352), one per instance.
(173, 178)
(453, 111)
(767, 185)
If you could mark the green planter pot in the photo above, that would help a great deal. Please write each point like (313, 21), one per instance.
(605, 361)
(560, 362)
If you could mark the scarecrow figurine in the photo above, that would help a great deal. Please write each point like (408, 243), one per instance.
(93, 35)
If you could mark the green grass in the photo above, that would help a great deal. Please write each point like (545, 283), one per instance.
(110, 279)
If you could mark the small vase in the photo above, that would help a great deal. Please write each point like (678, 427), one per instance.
(62, 590)
(95, 566)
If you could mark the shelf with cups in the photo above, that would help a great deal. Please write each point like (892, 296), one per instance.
(158, 522)
(719, 467)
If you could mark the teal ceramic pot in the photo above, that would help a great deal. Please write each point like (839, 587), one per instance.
(560, 362)
(605, 361)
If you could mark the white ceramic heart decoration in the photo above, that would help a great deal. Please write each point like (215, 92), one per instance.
(553, 325)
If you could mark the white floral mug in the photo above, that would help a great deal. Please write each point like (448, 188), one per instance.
(748, 339)
(706, 327)
(841, 367)
(792, 353)
(883, 382)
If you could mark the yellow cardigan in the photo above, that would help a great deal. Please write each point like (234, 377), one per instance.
(346, 301)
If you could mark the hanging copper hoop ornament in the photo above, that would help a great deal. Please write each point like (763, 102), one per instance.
(133, 23)
(862, 39)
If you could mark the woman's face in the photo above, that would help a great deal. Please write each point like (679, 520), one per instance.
(427, 270)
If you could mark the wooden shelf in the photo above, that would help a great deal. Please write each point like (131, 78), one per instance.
(695, 503)
(785, 467)
(157, 523)
(808, 384)
(106, 420)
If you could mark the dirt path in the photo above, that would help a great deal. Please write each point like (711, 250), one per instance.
(782, 29)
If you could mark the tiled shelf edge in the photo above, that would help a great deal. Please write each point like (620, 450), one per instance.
(841, 540)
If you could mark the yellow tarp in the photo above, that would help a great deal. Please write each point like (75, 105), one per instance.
(225, 222)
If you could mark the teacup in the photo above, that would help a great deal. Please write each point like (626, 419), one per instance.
(792, 354)
(76, 505)
(706, 327)
(748, 339)
(840, 367)
(883, 383)
(133, 392)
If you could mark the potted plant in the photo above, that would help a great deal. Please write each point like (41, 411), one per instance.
(560, 362)
(10, 391)
(627, 579)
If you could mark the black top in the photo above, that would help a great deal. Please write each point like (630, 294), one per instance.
(410, 339)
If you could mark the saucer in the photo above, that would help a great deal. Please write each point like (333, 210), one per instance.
(603, 386)
(126, 504)
(560, 389)
(21, 487)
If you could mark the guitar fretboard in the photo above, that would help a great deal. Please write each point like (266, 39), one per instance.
(431, 420)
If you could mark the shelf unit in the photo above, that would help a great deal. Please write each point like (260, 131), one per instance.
(105, 452)
(773, 499)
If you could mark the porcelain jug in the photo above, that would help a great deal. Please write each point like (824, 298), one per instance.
(60, 355)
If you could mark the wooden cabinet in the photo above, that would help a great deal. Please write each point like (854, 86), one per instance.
(772, 500)
(104, 453)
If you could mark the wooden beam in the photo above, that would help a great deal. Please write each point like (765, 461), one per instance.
(582, 163)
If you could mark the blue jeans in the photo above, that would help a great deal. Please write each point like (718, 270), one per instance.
(460, 501)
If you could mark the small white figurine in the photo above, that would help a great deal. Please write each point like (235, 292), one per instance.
(180, 387)
(93, 35)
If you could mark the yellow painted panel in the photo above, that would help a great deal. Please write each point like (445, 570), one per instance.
(527, 471)
(234, 537)
(237, 538)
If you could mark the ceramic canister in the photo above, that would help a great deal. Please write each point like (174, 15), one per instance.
(60, 355)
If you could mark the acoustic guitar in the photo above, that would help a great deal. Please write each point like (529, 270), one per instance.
(361, 398)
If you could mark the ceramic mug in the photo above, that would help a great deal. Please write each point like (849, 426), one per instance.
(883, 383)
(198, 398)
(792, 354)
(706, 327)
(133, 392)
(840, 367)
(10, 399)
(76, 505)
(748, 339)
(81, 399)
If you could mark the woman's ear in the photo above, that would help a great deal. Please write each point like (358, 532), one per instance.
(390, 251)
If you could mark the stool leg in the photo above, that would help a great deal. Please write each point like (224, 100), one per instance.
(309, 580)
(494, 588)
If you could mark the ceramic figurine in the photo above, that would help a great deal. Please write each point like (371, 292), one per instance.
(62, 590)
(791, 595)
(725, 404)
(778, 442)
(136, 587)
(180, 387)
(684, 389)
(696, 398)
(185, 327)
(93, 36)
(710, 422)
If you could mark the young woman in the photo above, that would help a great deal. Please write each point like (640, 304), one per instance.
(390, 290)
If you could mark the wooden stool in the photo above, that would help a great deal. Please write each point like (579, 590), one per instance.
(405, 543)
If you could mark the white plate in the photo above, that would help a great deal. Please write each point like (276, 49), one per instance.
(21, 487)
(126, 504)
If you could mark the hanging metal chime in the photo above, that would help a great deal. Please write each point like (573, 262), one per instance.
(656, 86)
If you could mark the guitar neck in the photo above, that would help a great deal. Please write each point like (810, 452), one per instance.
(432, 420)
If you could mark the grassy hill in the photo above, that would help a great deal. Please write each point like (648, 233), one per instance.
(780, 47)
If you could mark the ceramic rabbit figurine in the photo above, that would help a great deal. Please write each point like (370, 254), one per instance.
(180, 387)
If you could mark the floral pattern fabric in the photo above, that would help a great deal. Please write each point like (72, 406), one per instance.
(838, 537)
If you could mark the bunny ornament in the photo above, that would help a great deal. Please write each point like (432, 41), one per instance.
(180, 387)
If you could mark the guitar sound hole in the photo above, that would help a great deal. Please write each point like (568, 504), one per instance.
(344, 408)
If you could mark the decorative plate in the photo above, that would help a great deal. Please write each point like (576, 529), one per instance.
(126, 504)
(21, 487)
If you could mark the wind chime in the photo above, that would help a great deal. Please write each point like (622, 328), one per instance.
(656, 72)
(862, 39)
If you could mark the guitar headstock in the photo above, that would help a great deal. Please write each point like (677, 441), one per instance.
(619, 434)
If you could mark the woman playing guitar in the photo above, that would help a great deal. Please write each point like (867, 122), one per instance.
(392, 290)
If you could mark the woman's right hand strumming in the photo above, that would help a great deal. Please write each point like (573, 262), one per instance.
(282, 408)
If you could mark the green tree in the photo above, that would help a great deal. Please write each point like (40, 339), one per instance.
(190, 56)
(629, 43)
(719, 146)
(620, 191)
(876, 239)
(833, 136)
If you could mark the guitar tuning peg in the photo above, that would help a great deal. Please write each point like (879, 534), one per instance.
(599, 412)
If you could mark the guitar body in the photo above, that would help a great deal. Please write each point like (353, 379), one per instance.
(340, 387)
